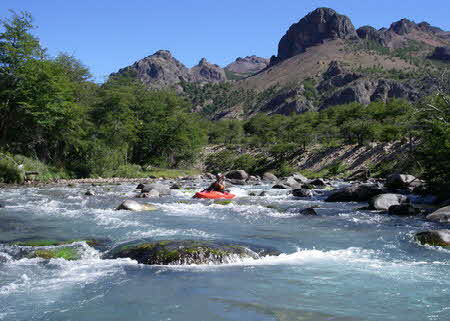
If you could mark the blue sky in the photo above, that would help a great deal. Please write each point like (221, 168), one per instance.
(109, 34)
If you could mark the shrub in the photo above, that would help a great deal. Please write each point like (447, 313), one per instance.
(10, 172)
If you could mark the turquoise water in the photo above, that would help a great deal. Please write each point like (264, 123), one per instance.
(345, 264)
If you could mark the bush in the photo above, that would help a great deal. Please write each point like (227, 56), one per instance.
(10, 172)
(220, 162)
(129, 171)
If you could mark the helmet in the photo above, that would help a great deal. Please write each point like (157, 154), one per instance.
(220, 176)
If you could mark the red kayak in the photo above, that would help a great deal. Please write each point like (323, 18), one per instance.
(214, 195)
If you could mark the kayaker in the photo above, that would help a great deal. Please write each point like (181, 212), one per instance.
(218, 185)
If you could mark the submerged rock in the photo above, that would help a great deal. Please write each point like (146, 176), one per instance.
(434, 237)
(185, 252)
(152, 193)
(442, 215)
(89, 193)
(131, 205)
(303, 211)
(384, 201)
(404, 210)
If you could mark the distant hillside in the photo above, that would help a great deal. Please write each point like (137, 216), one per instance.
(322, 61)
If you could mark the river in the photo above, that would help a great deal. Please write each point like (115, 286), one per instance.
(344, 264)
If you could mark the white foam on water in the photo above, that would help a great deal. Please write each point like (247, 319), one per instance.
(162, 232)
(37, 278)
(352, 260)
(364, 218)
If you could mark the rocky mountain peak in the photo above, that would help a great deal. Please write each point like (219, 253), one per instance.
(165, 54)
(203, 61)
(319, 25)
(403, 27)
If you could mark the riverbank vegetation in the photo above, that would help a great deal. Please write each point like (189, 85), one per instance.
(55, 120)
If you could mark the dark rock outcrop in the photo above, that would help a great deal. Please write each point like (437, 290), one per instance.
(318, 26)
(441, 53)
(186, 252)
(365, 91)
(434, 237)
(403, 27)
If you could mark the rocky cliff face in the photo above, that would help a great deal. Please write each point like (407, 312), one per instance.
(318, 26)
(248, 65)
(162, 70)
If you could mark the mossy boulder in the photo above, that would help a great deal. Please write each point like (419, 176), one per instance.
(185, 252)
(434, 237)
(64, 252)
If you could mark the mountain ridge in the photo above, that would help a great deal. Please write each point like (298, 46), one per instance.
(390, 63)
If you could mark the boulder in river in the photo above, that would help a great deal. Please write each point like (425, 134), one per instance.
(302, 192)
(162, 189)
(434, 237)
(318, 182)
(66, 252)
(237, 174)
(400, 181)
(404, 210)
(269, 177)
(442, 215)
(175, 186)
(300, 178)
(291, 182)
(303, 211)
(131, 205)
(355, 193)
(280, 186)
(185, 252)
(89, 193)
(384, 201)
